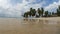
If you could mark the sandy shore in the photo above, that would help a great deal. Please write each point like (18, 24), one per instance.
(36, 26)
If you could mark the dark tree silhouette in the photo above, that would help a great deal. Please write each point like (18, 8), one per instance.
(58, 11)
(53, 13)
(32, 12)
(39, 12)
(42, 9)
(46, 13)
(26, 15)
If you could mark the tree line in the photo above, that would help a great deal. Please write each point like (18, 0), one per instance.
(41, 13)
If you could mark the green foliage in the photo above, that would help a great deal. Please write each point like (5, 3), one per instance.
(42, 9)
(39, 12)
(32, 12)
(25, 15)
(46, 13)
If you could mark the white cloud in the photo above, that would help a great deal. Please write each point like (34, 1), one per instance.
(10, 10)
(16, 11)
(35, 6)
(52, 6)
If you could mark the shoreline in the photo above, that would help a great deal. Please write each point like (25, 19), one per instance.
(41, 18)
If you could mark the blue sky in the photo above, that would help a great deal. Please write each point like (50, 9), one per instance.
(15, 8)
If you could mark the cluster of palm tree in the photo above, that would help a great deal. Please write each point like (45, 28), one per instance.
(41, 13)
(30, 13)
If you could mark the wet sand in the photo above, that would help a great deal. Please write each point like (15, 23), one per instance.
(30, 26)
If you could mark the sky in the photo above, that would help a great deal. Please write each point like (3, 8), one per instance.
(15, 8)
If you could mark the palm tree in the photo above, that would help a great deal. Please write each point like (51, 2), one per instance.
(25, 15)
(39, 12)
(33, 12)
(46, 13)
(59, 7)
(58, 11)
(42, 9)
(52, 13)
(30, 13)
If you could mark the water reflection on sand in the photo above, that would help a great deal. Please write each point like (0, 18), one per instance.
(37, 26)
(29, 26)
(38, 21)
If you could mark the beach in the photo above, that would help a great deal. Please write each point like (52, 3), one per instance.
(50, 25)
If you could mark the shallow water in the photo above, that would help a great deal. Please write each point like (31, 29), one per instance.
(29, 26)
